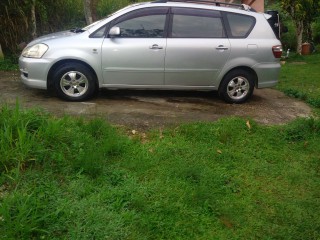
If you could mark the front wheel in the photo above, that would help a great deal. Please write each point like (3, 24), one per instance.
(74, 82)
(237, 86)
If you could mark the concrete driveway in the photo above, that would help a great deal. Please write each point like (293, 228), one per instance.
(143, 110)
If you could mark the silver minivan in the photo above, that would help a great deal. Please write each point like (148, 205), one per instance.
(176, 45)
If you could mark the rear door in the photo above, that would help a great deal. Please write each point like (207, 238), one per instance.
(197, 47)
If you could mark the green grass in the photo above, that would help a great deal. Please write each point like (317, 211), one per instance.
(9, 64)
(66, 178)
(300, 78)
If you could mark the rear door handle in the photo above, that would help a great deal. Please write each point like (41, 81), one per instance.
(221, 47)
(156, 46)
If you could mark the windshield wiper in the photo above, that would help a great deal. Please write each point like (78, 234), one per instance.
(76, 30)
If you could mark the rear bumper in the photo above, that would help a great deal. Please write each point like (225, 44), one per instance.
(268, 74)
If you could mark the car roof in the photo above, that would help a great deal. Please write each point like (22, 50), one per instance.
(201, 4)
(208, 3)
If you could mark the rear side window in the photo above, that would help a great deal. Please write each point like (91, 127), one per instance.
(196, 23)
(240, 25)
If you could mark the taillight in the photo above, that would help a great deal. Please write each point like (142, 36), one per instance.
(277, 51)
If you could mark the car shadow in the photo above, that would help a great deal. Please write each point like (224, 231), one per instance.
(169, 95)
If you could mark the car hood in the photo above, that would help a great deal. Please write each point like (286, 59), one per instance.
(50, 36)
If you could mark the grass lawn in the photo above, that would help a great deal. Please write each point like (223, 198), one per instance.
(300, 78)
(233, 179)
(68, 178)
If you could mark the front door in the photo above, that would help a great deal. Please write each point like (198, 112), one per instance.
(136, 56)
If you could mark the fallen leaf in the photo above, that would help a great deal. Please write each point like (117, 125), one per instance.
(161, 134)
(226, 222)
(248, 124)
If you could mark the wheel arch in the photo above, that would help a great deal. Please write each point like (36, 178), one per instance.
(50, 80)
(245, 68)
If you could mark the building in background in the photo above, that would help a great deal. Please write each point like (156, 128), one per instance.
(258, 5)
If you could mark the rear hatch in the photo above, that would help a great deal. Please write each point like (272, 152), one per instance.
(274, 21)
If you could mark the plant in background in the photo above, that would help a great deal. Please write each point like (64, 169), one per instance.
(21, 22)
(303, 13)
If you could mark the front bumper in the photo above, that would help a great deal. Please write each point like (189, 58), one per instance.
(34, 72)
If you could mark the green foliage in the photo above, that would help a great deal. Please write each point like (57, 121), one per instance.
(299, 78)
(302, 130)
(316, 30)
(232, 179)
(9, 64)
(303, 14)
(106, 7)
(31, 138)
(51, 16)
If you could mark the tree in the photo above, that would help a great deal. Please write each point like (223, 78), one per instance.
(23, 20)
(303, 13)
(90, 10)
(33, 19)
(87, 11)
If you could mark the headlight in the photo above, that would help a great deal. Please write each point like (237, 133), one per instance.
(35, 51)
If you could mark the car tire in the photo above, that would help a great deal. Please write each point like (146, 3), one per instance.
(74, 82)
(237, 86)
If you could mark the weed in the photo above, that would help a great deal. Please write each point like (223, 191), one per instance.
(9, 64)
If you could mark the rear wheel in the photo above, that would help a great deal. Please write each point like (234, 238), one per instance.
(237, 86)
(74, 82)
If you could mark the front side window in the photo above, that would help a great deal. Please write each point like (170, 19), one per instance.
(143, 27)
(197, 23)
(99, 33)
(149, 23)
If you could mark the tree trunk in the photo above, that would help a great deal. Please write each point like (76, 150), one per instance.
(94, 6)
(1, 54)
(87, 11)
(33, 19)
(299, 34)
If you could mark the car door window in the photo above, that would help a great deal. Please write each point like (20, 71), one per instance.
(240, 25)
(100, 33)
(148, 23)
(196, 23)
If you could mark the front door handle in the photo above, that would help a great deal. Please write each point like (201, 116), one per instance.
(156, 46)
(221, 47)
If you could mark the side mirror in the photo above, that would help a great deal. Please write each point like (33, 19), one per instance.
(114, 31)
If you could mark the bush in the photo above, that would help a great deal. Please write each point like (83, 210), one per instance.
(9, 63)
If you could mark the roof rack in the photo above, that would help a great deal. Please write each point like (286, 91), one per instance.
(208, 2)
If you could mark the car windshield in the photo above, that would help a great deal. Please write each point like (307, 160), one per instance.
(120, 10)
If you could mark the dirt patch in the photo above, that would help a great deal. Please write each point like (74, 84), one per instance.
(143, 110)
